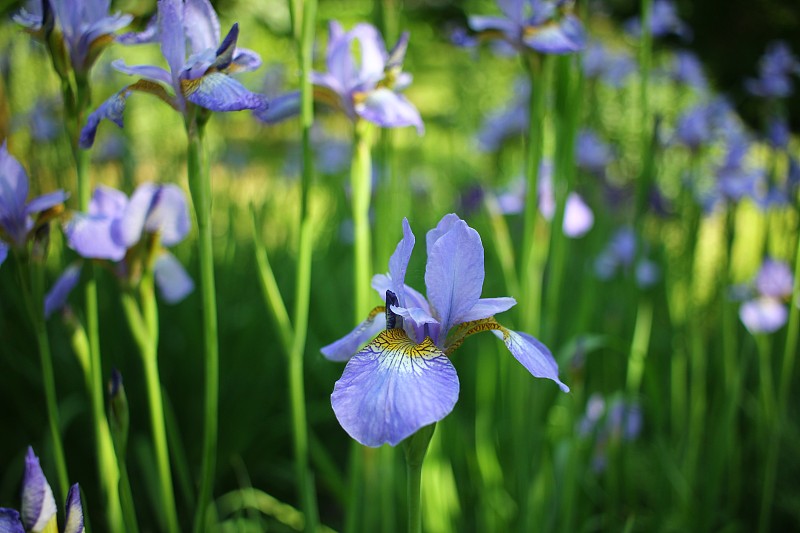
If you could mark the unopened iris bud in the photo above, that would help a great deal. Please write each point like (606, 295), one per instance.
(118, 410)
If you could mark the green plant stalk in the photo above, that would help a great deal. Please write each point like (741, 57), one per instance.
(531, 269)
(200, 188)
(640, 345)
(645, 61)
(415, 448)
(361, 191)
(35, 299)
(141, 323)
(784, 387)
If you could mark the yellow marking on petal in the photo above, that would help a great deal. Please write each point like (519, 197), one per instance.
(96, 48)
(397, 341)
(530, 31)
(151, 87)
(51, 527)
(49, 214)
(470, 328)
(328, 97)
(190, 86)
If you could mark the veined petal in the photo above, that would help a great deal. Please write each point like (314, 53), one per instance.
(484, 23)
(392, 388)
(74, 523)
(91, 236)
(13, 184)
(563, 37)
(244, 60)
(150, 72)
(444, 225)
(58, 294)
(201, 25)
(171, 35)
(148, 35)
(533, 355)
(45, 202)
(174, 283)
(38, 504)
(347, 346)
(112, 109)
(454, 274)
(280, 108)
(10, 522)
(389, 109)
(763, 315)
(220, 92)
(487, 307)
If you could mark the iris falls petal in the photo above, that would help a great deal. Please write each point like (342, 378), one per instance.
(394, 387)
(174, 283)
(10, 522)
(220, 92)
(347, 346)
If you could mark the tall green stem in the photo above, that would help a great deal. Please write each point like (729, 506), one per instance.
(144, 326)
(35, 300)
(361, 191)
(415, 448)
(200, 187)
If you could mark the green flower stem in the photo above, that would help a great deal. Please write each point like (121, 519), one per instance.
(639, 345)
(361, 191)
(415, 448)
(784, 387)
(645, 60)
(200, 187)
(531, 268)
(35, 299)
(144, 327)
(126, 497)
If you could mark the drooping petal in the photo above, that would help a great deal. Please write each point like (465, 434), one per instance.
(92, 237)
(563, 37)
(174, 283)
(58, 294)
(454, 274)
(45, 202)
(486, 307)
(483, 23)
(394, 387)
(280, 108)
(10, 521)
(763, 315)
(220, 92)
(13, 185)
(112, 109)
(389, 109)
(148, 35)
(347, 346)
(201, 24)
(74, 523)
(38, 504)
(244, 60)
(150, 72)
(533, 355)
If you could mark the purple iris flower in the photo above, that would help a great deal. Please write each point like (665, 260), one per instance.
(86, 26)
(544, 26)
(370, 89)
(694, 128)
(403, 380)
(737, 179)
(16, 213)
(510, 121)
(620, 255)
(199, 66)
(664, 21)
(766, 312)
(775, 70)
(619, 420)
(778, 132)
(39, 505)
(687, 69)
(121, 230)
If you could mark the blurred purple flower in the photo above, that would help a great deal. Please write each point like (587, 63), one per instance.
(664, 21)
(608, 424)
(694, 127)
(735, 178)
(201, 79)
(766, 313)
(403, 379)
(116, 225)
(775, 69)
(612, 67)
(39, 506)
(370, 90)
(510, 121)
(544, 26)
(16, 213)
(620, 254)
(687, 69)
(591, 153)
(778, 132)
(85, 27)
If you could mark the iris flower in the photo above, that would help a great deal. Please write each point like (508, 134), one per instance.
(129, 231)
(199, 66)
(403, 380)
(369, 90)
(16, 213)
(766, 311)
(664, 21)
(612, 66)
(776, 67)
(39, 505)
(544, 26)
(86, 27)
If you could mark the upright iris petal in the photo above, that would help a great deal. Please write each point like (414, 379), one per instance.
(38, 504)
(74, 522)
